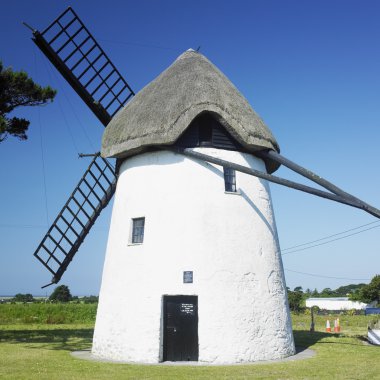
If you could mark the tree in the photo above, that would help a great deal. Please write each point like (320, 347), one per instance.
(343, 291)
(23, 298)
(368, 293)
(90, 299)
(61, 294)
(295, 300)
(315, 293)
(16, 90)
(328, 292)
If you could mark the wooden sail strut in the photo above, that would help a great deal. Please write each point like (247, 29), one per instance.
(335, 194)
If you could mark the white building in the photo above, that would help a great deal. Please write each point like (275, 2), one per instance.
(335, 303)
(193, 268)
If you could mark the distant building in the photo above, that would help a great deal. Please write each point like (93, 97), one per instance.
(336, 303)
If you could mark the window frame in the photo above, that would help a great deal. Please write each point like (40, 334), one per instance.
(229, 180)
(137, 231)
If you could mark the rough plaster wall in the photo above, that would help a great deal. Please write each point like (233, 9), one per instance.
(230, 243)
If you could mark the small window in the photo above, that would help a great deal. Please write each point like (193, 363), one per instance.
(205, 134)
(138, 230)
(229, 180)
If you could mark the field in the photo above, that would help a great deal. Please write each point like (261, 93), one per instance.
(36, 341)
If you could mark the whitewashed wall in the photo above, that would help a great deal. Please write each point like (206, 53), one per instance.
(230, 243)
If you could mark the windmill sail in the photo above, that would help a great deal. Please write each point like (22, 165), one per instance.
(71, 48)
(66, 234)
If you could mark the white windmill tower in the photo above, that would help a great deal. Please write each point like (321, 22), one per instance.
(193, 268)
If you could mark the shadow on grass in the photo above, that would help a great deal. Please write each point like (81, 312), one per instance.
(54, 339)
(81, 339)
(305, 339)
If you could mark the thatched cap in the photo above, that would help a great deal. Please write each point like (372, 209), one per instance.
(163, 110)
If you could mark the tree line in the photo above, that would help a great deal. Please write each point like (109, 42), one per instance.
(60, 294)
(366, 293)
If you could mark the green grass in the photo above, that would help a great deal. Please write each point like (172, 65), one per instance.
(42, 313)
(42, 351)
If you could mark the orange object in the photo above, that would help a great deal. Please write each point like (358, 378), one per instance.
(328, 328)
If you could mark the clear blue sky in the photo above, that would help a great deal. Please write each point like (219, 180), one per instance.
(311, 69)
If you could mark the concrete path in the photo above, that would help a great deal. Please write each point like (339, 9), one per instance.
(302, 353)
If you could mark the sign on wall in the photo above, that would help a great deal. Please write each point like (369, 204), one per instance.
(188, 277)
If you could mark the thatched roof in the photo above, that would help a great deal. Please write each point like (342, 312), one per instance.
(163, 110)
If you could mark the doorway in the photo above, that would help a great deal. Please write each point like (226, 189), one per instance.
(180, 328)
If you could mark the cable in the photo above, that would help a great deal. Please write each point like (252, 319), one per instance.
(330, 241)
(42, 151)
(336, 278)
(327, 237)
(73, 110)
(139, 45)
(43, 168)
(3, 225)
(21, 226)
(61, 109)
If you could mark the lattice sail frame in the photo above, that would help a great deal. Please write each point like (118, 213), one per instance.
(66, 234)
(72, 49)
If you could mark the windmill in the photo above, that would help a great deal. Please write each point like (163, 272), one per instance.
(191, 272)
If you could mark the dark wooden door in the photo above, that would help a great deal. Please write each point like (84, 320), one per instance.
(180, 328)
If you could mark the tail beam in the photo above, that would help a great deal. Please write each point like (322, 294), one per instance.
(335, 193)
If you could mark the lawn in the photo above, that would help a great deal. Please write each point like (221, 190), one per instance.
(42, 351)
